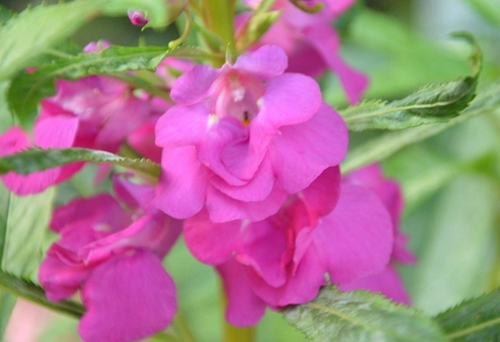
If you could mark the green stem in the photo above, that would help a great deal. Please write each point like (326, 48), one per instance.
(232, 333)
(219, 18)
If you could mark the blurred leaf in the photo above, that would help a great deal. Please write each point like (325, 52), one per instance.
(432, 103)
(25, 37)
(36, 159)
(360, 316)
(5, 15)
(487, 101)
(30, 291)
(458, 251)
(489, 9)
(23, 231)
(7, 302)
(473, 320)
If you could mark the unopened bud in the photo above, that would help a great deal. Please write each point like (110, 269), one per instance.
(137, 17)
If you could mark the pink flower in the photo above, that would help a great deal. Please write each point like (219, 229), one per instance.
(113, 257)
(96, 112)
(137, 17)
(313, 45)
(283, 259)
(243, 137)
(387, 282)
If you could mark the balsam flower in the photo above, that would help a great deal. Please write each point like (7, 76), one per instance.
(312, 44)
(387, 282)
(283, 259)
(240, 139)
(113, 256)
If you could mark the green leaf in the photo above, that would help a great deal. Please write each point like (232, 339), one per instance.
(38, 159)
(487, 101)
(360, 316)
(32, 292)
(489, 9)
(473, 320)
(432, 103)
(23, 231)
(5, 15)
(25, 37)
(7, 302)
(27, 89)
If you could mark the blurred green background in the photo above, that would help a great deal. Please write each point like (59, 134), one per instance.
(451, 182)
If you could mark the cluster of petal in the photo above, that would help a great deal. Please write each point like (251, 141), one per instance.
(240, 139)
(312, 44)
(113, 256)
(388, 191)
(96, 112)
(283, 259)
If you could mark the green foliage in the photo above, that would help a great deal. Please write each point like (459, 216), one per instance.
(473, 320)
(21, 44)
(7, 302)
(23, 231)
(5, 15)
(360, 316)
(432, 103)
(38, 159)
(32, 292)
(487, 101)
(489, 9)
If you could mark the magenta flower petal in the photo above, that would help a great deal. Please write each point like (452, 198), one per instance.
(182, 125)
(257, 189)
(323, 139)
(127, 298)
(211, 243)
(289, 99)
(244, 308)
(61, 280)
(299, 288)
(321, 196)
(357, 236)
(193, 85)
(267, 62)
(181, 190)
(223, 208)
(264, 247)
(326, 42)
(388, 283)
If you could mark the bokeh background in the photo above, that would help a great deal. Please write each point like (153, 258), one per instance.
(451, 181)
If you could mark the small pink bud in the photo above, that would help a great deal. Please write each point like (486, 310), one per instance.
(137, 17)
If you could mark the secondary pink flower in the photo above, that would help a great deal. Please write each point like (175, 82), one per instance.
(313, 45)
(243, 137)
(387, 282)
(113, 257)
(96, 112)
(55, 132)
(137, 17)
(283, 259)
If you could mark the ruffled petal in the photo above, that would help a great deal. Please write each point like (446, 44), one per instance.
(181, 190)
(223, 208)
(182, 125)
(243, 308)
(357, 236)
(127, 298)
(302, 152)
(193, 85)
(267, 62)
(211, 243)
(60, 280)
(289, 99)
